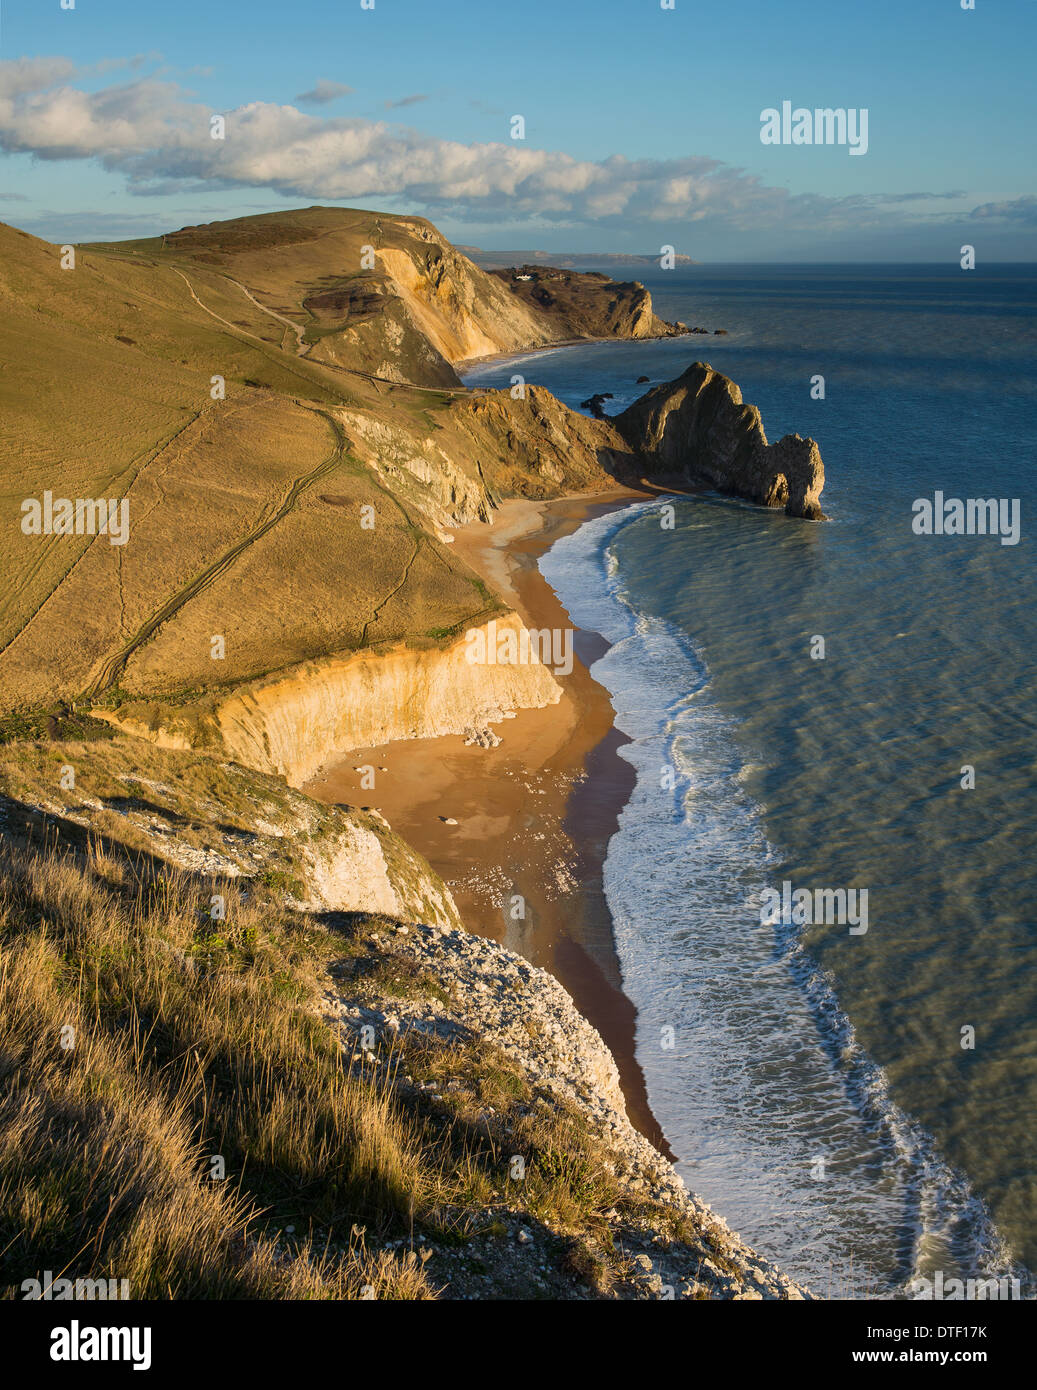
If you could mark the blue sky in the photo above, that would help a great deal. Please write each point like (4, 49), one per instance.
(642, 124)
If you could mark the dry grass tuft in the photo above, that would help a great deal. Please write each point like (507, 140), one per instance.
(141, 1042)
(148, 1046)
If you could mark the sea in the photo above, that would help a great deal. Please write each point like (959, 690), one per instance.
(857, 1105)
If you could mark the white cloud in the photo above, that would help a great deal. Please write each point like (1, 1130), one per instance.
(1022, 210)
(159, 139)
(21, 75)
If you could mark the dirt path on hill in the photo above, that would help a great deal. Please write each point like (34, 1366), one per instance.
(113, 666)
(301, 346)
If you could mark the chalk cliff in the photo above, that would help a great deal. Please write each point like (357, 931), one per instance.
(293, 721)
(389, 295)
(244, 827)
(254, 627)
(332, 926)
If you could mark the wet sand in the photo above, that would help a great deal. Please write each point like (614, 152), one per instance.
(535, 814)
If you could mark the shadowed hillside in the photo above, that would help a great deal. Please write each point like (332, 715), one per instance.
(216, 1122)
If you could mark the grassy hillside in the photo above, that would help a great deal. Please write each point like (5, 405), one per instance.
(304, 510)
(367, 291)
(193, 956)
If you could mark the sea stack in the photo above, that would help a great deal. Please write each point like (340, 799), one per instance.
(698, 429)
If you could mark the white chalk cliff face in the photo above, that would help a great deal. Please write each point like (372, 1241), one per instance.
(322, 858)
(445, 457)
(297, 720)
(361, 866)
(442, 467)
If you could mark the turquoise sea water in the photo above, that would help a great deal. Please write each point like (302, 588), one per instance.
(814, 1085)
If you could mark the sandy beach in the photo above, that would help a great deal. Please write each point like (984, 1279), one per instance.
(533, 815)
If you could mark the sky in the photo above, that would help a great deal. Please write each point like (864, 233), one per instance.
(642, 125)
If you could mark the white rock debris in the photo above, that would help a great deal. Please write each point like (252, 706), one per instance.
(528, 1015)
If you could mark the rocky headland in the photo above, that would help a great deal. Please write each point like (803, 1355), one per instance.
(587, 304)
(697, 430)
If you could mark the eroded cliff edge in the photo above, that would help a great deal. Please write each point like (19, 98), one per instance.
(294, 721)
(459, 1057)
(694, 431)
(306, 514)
(588, 304)
(341, 400)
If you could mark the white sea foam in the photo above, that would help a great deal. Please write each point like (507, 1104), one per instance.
(779, 1119)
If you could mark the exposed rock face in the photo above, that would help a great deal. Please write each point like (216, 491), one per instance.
(587, 304)
(491, 993)
(485, 446)
(293, 722)
(374, 292)
(341, 858)
(460, 310)
(364, 867)
(697, 428)
(427, 307)
(417, 306)
(190, 814)
(371, 323)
